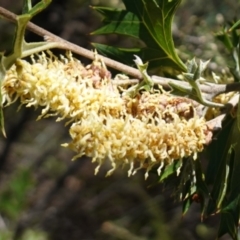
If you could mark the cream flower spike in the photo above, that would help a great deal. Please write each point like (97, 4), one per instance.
(149, 130)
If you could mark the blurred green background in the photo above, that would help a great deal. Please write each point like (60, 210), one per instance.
(44, 195)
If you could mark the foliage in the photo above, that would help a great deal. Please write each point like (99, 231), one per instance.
(222, 169)
(147, 21)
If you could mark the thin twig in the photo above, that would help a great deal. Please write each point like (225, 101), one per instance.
(64, 44)
(216, 123)
(210, 89)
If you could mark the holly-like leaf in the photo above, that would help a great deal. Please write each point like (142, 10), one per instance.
(148, 21)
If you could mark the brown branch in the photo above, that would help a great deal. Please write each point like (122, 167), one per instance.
(64, 44)
(216, 123)
(210, 89)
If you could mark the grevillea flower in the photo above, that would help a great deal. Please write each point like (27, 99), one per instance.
(150, 130)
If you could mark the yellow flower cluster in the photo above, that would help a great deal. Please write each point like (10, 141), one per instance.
(221, 98)
(149, 130)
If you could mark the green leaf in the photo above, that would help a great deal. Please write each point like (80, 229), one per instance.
(19, 43)
(148, 21)
(192, 185)
(220, 155)
(235, 26)
(202, 189)
(224, 37)
(157, 18)
(220, 186)
(33, 11)
(229, 219)
(119, 54)
(27, 6)
(125, 55)
(186, 205)
(225, 196)
(230, 37)
(217, 149)
(234, 186)
(227, 226)
(120, 22)
(170, 170)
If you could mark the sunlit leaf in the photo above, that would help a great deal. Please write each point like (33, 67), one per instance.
(27, 6)
(120, 22)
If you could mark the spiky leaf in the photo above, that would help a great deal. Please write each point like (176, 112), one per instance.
(149, 22)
